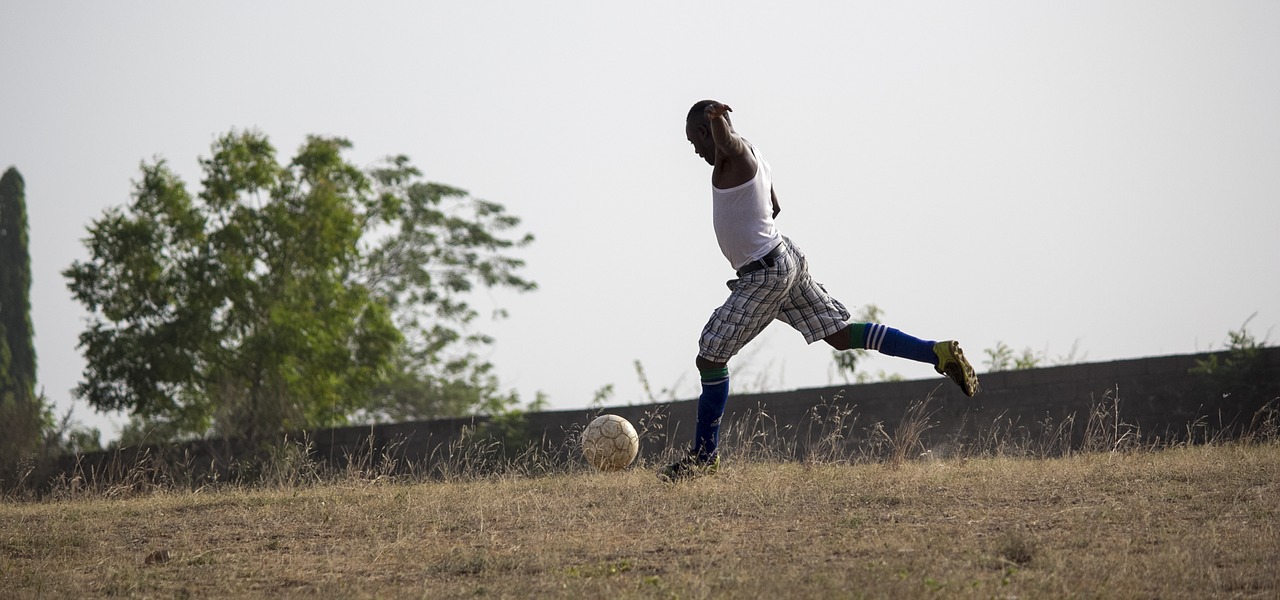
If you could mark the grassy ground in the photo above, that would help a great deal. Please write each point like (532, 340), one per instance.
(1190, 522)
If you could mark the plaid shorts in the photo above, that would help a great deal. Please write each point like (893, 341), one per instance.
(784, 292)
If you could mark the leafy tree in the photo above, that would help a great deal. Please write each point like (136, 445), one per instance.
(66, 436)
(1241, 372)
(287, 297)
(1003, 358)
(21, 411)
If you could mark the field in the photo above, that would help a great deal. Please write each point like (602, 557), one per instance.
(1183, 522)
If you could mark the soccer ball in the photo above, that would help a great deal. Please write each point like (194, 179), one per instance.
(610, 443)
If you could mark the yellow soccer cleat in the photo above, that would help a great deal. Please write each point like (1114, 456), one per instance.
(951, 362)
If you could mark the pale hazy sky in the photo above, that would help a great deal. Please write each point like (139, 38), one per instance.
(1047, 174)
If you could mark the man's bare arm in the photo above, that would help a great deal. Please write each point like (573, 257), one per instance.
(774, 196)
(728, 143)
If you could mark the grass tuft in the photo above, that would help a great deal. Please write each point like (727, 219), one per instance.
(1016, 548)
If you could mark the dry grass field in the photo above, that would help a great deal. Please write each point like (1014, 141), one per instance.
(1187, 522)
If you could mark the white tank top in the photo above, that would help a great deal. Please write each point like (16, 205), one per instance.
(743, 217)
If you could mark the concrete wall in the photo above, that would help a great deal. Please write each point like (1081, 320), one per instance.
(1157, 394)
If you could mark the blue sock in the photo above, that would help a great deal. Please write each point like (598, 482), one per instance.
(715, 393)
(887, 340)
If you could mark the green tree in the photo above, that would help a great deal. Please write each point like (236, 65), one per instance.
(21, 411)
(1003, 358)
(287, 297)
(67, 436)
(1240, 372)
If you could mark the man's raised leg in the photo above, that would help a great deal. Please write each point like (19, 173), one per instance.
(946, 356)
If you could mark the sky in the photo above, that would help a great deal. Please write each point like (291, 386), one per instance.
(1090, 180)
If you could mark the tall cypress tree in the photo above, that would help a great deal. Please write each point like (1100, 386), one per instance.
(20, 410)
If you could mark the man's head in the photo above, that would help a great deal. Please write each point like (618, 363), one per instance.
(697, 128)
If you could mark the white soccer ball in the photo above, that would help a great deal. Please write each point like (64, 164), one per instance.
(610, 443)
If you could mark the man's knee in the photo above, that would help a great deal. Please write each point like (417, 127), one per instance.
(840, 340)
(706, 365)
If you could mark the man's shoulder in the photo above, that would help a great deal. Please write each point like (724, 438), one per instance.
(734, 171)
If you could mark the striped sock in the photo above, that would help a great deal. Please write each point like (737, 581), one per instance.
(715, 394)
(890, 341)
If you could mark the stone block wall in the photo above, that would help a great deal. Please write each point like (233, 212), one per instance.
(1158, 396)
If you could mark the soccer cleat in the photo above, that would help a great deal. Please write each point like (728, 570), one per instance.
(688, 467)
(951, 362)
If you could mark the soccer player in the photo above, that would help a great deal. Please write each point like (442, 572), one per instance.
(773, 283)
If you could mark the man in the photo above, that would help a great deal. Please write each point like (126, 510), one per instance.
(773, 283)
